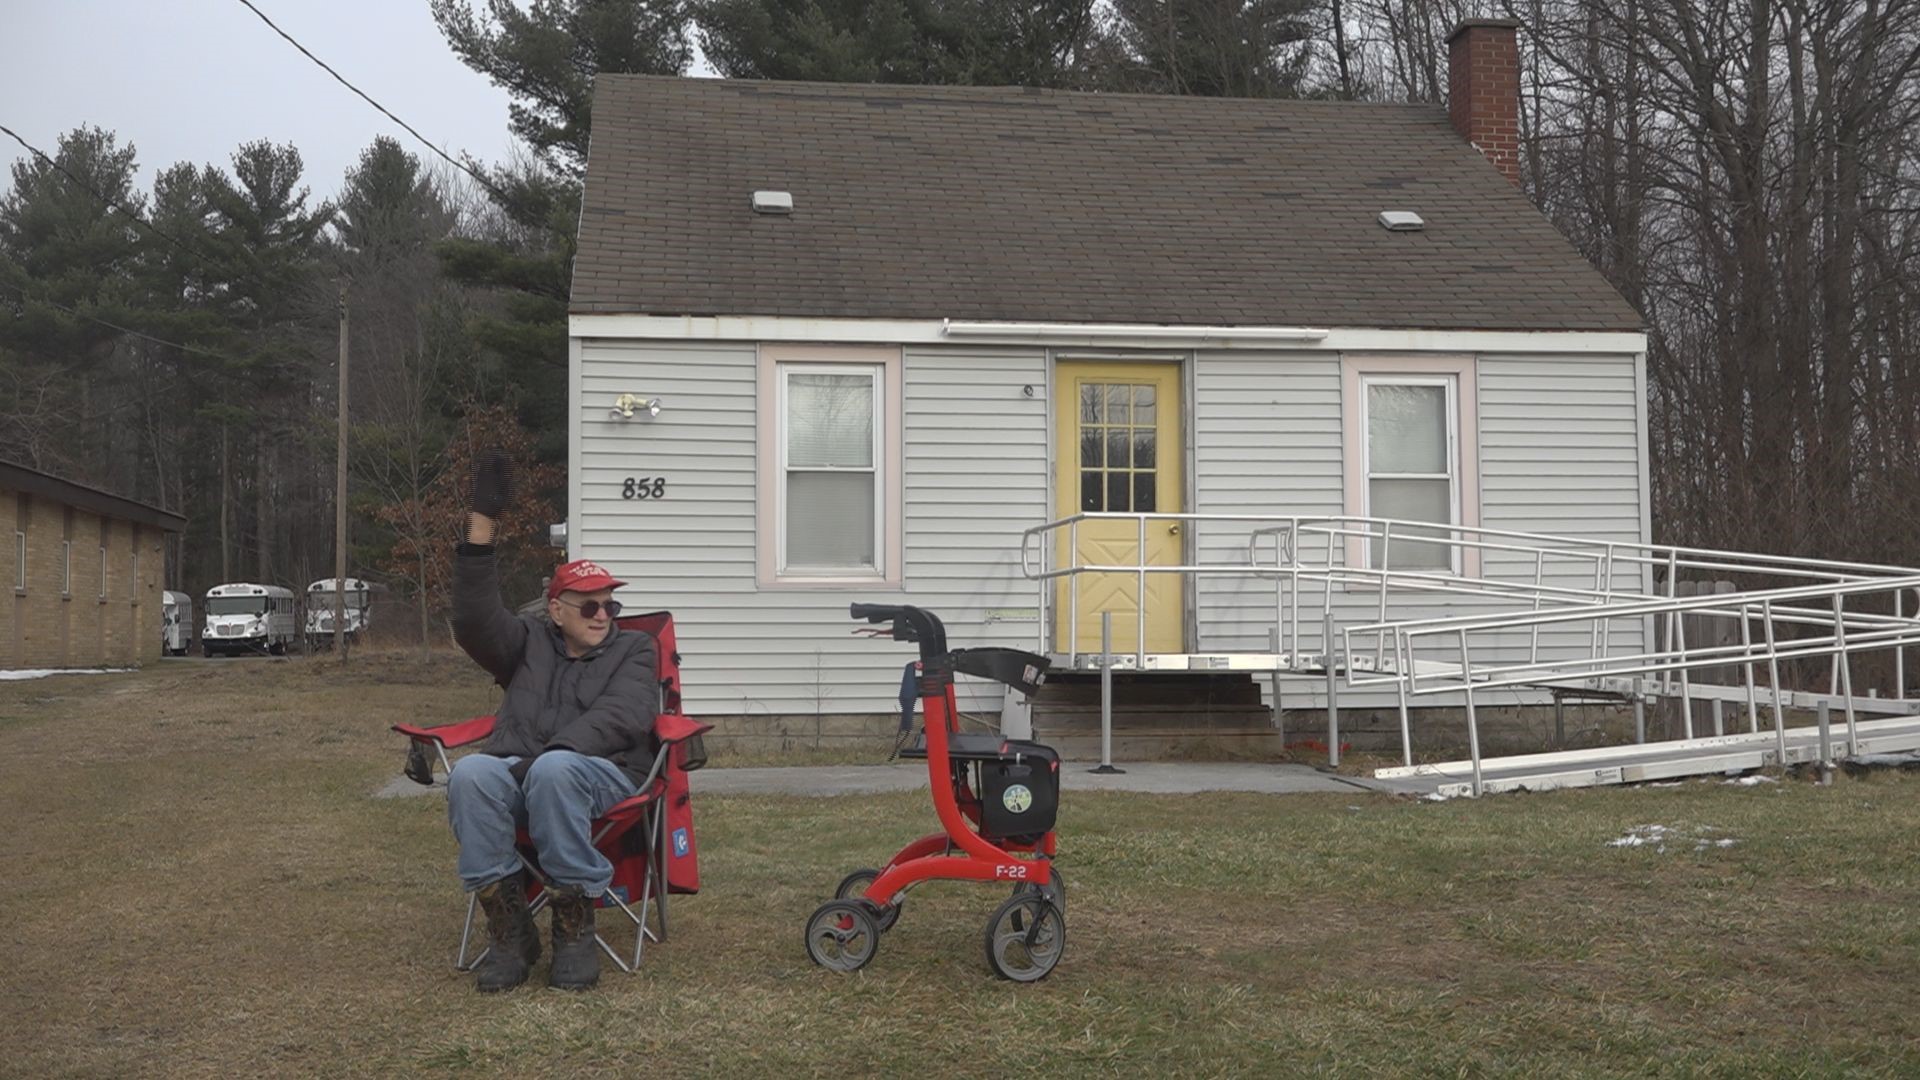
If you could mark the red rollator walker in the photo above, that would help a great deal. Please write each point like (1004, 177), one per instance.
(996, 798)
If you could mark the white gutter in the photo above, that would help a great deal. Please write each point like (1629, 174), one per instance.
(898, 332)
(1127, 331)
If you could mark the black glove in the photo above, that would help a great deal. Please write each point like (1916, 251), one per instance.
(492, 485)
(518, 770)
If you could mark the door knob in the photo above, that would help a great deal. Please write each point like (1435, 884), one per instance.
(1173, 530)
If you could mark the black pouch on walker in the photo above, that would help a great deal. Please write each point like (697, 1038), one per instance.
(1019, 790)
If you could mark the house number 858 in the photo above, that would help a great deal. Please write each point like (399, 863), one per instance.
(645, 487)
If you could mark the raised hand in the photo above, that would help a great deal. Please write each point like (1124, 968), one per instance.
(492, 486)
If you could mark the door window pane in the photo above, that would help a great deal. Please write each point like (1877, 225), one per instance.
(1092, 450)
(1143, 406)
(1407, 429)
(1090, 398)
(1092, 498)
(1117, 496)
(1143, 496)
(1143, 449)
(1119, 454)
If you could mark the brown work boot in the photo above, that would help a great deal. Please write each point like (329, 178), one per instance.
(576, 952)
(513, 940)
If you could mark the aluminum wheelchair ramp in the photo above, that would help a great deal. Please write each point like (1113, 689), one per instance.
(1443, 615)
(1660, 760)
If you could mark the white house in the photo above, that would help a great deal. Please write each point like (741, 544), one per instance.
(889, 328)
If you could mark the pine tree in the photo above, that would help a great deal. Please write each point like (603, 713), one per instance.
(546, 54)
(964, 42)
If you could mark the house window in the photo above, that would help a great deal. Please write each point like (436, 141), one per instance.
(66, 569)
(19, 561)
(831, 430)
(1410, 424)
(1411, 448)
(103, 572)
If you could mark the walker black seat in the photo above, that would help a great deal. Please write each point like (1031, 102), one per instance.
(1024, 671)
(978, 746)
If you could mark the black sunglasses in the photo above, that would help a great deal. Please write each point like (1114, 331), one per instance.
(592, 608)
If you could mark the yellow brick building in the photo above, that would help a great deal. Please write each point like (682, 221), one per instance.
(82, 574)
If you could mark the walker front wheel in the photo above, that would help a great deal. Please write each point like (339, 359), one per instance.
(854, 886)
(1055, 889)
(1026, 938)
(842, 935)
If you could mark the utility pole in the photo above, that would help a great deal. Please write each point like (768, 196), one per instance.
(340, 499)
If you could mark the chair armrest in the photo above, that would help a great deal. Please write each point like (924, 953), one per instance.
(672, 728)
(633, 806)
(450, 735)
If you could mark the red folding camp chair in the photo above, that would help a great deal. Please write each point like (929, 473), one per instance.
(648, 838)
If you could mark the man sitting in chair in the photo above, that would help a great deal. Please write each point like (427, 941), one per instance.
(572, 737)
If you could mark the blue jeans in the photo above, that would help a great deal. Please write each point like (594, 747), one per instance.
(564, 792)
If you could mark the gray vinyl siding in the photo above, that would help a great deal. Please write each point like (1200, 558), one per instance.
(1266, 439)
(974, 457)
(1558, 454)
(1558, 450)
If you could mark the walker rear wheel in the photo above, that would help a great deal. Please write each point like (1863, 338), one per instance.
(1026, 938)
(854, 886)
(842, 935)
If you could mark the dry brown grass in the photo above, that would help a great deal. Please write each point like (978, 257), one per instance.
(199, 884)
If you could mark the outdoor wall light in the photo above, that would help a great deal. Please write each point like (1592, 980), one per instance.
(625, 404)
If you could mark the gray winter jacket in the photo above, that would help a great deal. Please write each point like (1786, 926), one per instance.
(602, 703)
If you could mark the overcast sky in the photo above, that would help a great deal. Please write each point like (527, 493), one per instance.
(189, 80)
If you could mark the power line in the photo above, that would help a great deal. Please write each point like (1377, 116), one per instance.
(105, 199)
(506, 201)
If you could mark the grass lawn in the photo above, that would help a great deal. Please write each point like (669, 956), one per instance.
(199, 884)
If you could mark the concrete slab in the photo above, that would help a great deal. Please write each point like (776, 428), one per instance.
(1163, 778)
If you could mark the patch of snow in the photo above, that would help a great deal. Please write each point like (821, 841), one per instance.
(1751, 781)
(1640, 835)
(1659, 836)
(41, 673)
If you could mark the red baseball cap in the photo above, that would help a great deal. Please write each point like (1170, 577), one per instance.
(581, 575)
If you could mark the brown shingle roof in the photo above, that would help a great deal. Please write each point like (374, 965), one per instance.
(1027, 205)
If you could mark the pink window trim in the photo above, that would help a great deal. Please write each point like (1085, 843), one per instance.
(1462, 368)
(893, 493)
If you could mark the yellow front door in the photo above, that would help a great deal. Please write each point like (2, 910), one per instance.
(1118, 427)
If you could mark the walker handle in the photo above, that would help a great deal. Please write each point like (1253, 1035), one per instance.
(874, 613)
(909, 624)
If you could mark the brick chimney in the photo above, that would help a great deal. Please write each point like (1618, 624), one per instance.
(1483, 89)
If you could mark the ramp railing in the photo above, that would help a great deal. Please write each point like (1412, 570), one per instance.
(1775, 625)
(1399, 561)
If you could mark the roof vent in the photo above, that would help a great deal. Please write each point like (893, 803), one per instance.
(773, 202)
(1401, 221)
